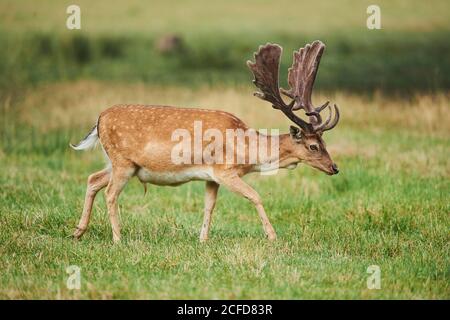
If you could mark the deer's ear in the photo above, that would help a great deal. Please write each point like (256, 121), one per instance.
(295, 132)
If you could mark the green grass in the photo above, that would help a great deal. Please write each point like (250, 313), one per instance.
(388, 207)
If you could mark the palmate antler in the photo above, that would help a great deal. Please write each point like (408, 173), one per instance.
(265, 69)
(301, 81)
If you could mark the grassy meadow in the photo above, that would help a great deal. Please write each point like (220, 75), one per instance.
(388, 206)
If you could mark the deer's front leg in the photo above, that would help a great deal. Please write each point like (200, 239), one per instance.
(210, 201)
(237, 185)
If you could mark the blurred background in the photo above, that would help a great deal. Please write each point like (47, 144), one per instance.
(388, 205)
(207, 42)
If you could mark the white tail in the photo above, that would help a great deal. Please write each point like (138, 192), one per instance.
(89, 141)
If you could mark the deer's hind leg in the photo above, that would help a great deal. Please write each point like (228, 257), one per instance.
(119, 178)
(95, 183)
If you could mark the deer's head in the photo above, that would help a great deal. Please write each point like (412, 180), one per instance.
(306, 139)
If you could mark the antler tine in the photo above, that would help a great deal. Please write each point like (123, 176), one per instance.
(324, 124)
(319, 109)
(335, 120)
(286, 93)
(316, 112)
(265, 70)
(316, 116)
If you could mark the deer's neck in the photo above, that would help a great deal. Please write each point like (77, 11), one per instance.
(277, 157)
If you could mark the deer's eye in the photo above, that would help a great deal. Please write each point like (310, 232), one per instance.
(314, 147)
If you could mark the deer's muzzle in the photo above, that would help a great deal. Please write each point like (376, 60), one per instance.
(334, 168)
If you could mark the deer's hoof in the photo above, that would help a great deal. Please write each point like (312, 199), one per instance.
(78, 233)
(272, 237)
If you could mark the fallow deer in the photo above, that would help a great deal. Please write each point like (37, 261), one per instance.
(137, 140)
